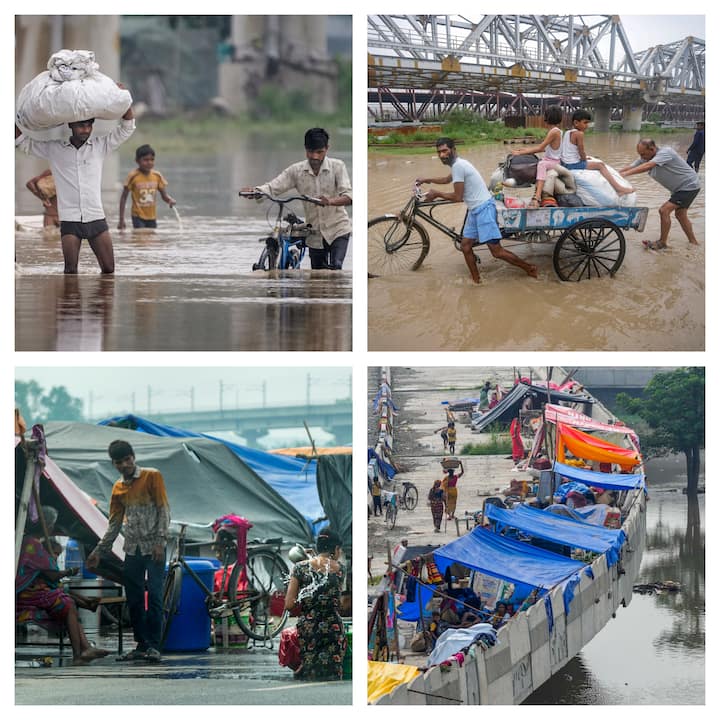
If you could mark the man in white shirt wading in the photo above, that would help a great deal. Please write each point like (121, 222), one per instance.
(326, 179)
(77, 165)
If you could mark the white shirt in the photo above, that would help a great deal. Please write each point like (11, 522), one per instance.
(78, 171)
(332, 180)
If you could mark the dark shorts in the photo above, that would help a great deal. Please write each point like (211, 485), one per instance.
(138, 222)
(683, 198)
(84, 231)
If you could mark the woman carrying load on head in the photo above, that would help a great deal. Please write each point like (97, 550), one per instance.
(450, 486)
(436, 498)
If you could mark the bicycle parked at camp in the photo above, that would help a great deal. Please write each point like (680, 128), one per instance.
(408, 499)
(285, 246)
(250, 583)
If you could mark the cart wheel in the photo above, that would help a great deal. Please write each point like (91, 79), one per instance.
(394, 246)
(591, 248)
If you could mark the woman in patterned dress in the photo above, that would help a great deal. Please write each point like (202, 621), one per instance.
(38, 597)
(316, 585)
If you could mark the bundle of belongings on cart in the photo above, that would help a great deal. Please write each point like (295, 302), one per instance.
(562, 187)
(70, 90)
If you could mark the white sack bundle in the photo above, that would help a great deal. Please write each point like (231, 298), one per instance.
(595, 191)
(71, 89)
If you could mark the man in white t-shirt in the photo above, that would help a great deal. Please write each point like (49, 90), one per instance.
(665, 166)
(481, 224)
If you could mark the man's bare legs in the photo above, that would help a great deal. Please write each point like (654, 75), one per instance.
(101, 245)
(666, 211)
(497, 251)
(602, 169)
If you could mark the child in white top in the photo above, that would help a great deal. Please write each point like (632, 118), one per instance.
(551, 145)
(573, 156)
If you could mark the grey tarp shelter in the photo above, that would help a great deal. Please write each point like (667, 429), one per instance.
(203, 478)
(334, 483)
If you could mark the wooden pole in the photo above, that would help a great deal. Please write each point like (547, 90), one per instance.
(31, 456)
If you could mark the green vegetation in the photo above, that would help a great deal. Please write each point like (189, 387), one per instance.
(672, 408)
(461, 125)
(498, 444)
(38, 406)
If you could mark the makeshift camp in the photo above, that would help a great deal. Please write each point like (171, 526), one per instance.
(204, 478)
(294, 479)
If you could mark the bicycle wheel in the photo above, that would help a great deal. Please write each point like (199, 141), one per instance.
(394, 246)
(262, 263)
(411, 497)
(171, 599)
(263, 615)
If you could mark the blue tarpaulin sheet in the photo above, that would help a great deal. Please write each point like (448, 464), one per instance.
(564, 531)
(492, 554)
(592, 478)
(293, 478)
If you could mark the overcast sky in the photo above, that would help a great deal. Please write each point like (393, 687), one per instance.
(110, 390)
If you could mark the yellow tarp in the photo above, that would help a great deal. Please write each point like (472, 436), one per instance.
(384, 677)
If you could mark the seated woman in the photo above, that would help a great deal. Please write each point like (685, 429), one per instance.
(316, 585)
(501, 615)
(38, 597)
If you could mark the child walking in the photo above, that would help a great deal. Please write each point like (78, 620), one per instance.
(143, 184)
(574, 157)
(551, 145)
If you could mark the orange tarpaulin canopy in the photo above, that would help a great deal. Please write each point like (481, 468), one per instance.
(589, 447)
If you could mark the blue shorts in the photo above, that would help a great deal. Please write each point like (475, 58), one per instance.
(481, 224)
(139, 222)
(580, 165)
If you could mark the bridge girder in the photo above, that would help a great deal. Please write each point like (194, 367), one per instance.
(582, 56)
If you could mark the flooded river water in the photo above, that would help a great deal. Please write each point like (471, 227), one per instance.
(655, 301)
(188, 285)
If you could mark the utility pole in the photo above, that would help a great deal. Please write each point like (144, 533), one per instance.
(264, 393)
(149, 399)
(192, 399)
(307, 392)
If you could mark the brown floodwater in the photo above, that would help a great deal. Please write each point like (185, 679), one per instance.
(189, 285)
(656, 301)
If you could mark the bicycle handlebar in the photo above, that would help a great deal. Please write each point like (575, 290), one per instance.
(258, 194)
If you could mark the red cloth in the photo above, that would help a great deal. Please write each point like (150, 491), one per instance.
(289, 650)
(518, 449)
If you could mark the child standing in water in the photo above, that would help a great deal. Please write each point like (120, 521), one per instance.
(143, 183)
(574, 157)
(551, 146)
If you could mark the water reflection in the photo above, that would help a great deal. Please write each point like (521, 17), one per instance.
(189, 285)
(653, 652)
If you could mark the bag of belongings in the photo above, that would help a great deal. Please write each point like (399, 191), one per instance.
(70, 90)
(521, 168)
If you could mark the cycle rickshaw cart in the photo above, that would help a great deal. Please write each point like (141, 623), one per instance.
(589, 241)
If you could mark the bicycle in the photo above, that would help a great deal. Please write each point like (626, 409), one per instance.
(409, 498)
(589, 241)
(285, 247)
(250, 584)
(390, 509)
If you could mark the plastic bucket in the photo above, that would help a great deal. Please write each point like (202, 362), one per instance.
(190, 626)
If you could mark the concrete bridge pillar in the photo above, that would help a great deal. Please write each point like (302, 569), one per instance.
(602, 118)
(632, 117)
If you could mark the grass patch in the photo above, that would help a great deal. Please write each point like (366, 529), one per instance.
(496, 445)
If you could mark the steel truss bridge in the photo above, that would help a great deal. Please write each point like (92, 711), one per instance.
(423, 66)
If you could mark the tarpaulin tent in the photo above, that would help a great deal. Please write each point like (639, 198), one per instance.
(334, 482)
(293, 478)
(592, 478)
(586, 446)
(501, 557)
(564, 531)
(510, 405)
(204, 479)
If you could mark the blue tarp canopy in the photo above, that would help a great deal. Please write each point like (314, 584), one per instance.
(495, 555)
(592, 478)
(564, 531)
(294, 479)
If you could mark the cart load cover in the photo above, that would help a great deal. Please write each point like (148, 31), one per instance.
(595, 191)
(71, 89)
(508, 559)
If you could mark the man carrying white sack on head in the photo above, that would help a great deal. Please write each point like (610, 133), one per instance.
(76, 165)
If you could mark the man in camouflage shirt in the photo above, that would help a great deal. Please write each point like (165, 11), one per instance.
(139, 500)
